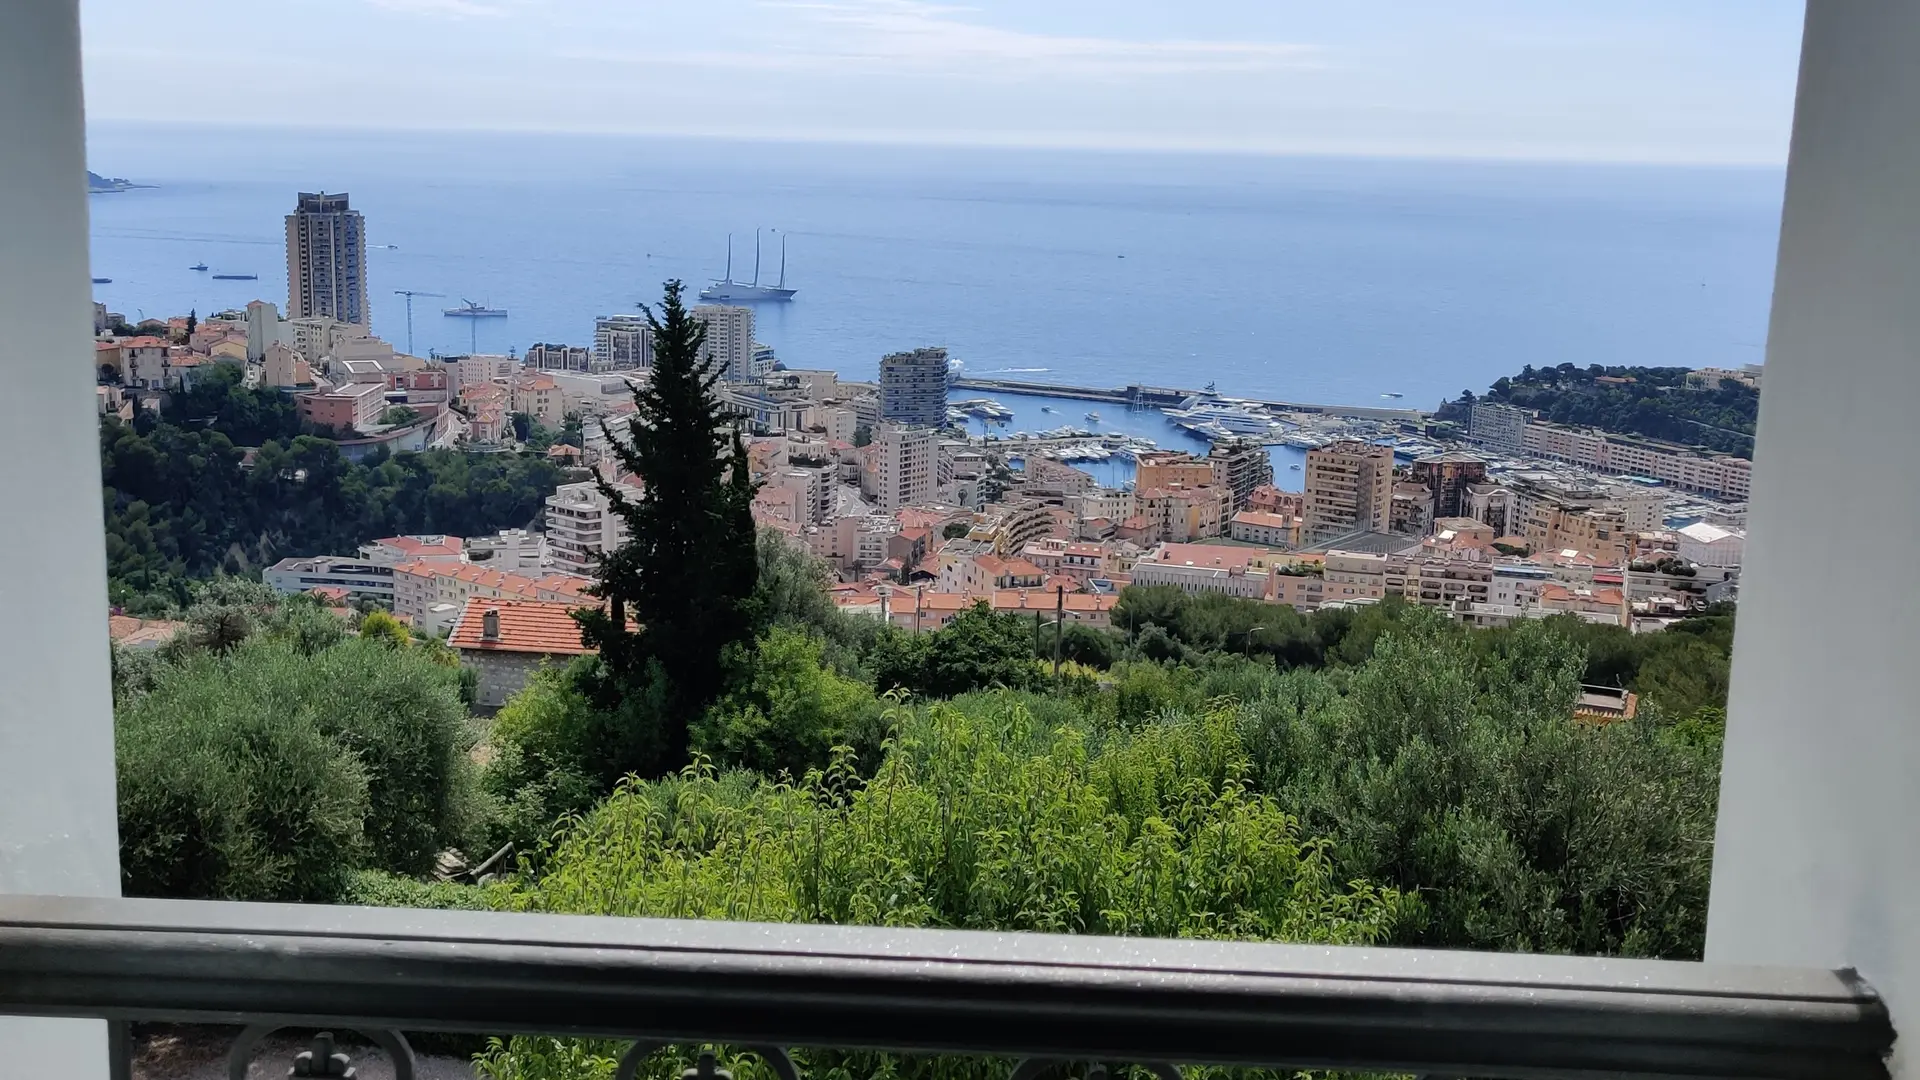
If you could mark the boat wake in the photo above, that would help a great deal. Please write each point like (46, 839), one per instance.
(1016, 371)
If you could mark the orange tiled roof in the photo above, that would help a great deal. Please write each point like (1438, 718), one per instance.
(526, 626)
(422, 545)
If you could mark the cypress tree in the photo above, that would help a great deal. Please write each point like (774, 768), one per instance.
(678, 592)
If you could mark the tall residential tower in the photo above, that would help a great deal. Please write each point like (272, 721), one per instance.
(327, 260)
(729, 340)
(913, 387)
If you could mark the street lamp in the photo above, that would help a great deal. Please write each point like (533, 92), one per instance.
(1246, 645)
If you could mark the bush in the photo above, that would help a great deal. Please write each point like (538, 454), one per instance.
(787, 711)
(978, 649)
(267, 774)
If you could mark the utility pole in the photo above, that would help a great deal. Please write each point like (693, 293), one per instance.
(1059, 626)
(410, 294)
(1246, 647)
(1036, 631)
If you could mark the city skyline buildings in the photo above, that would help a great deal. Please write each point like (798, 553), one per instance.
(327, 260)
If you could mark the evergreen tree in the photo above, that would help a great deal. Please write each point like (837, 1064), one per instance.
(679, 591)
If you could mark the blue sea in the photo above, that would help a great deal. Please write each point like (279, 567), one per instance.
(1310, 279)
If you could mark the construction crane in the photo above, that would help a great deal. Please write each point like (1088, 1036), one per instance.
(410, 294)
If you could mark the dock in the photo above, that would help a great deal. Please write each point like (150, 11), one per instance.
(1137, 396)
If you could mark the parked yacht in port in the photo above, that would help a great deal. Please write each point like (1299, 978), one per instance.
(1197, 414)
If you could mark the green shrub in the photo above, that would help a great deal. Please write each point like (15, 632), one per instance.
(267, 773)
(787, 711)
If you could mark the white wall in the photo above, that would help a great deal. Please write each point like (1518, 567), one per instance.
(57, 821)
(1818, 854)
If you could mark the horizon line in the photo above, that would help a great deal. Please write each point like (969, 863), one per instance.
(982, 141)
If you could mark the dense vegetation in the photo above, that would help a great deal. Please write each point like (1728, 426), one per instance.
(1657, 403)
(184, 502)
(266, 753)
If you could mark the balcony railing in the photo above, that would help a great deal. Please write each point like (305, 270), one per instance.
(1039, 998)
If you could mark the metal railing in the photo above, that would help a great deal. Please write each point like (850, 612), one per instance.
(1038, 997)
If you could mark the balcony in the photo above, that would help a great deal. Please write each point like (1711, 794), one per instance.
(1044, 1000)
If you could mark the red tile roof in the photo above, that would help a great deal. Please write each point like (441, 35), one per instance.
(526, 626)
(423, 545)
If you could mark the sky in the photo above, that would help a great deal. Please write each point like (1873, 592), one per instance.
(1669, 81)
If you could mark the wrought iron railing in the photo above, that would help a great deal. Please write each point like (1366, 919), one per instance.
(1042, 998)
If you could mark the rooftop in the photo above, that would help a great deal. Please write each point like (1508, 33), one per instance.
(525, 626)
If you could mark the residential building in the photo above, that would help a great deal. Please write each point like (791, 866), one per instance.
(430, 596)
(622, 343)
(1240, 466)
(582, 526)
(1300, 588)
(1179, 514)
(1055, 476)
(1720, 475)
(1271, 500)
(1354, 575)
(1166, 468)
(1497, 425)
(729, 345)
(1010, 526)
(1268, 530)
(1079, 560)
(1492, 505)
(913, 387)
(930, 609)
(506, 641)
(903, 459)
(513, 550)
(1244, 572)
(360, 577)
(424, 386)
(327, 260)
(1412, 510)
(1349, 488)
(1712, 545)
(285, 369)
(265, 329)
(143, 363)
(537, 395)
(545, 356)
(1463, 532)
(348, 407)
(1447, 477)
(394, 550)
(480, 369)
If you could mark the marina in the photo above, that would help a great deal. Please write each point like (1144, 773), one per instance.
(1140, 396)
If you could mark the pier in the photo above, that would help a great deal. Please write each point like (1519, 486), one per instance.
(1136, 396)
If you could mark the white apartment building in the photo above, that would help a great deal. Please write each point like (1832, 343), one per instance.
(1349, 575)
(870, 539)
(1710, 474)
(482, 368)
(913, 387)
(360, 577)
(904, 461)
(581, 526)
(265, 328)
(1498, 425)
(621, 343)
(327, 260)
(729, 340)
(1349, 487)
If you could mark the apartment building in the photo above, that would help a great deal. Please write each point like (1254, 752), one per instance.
(1081, 561)
(1354, 575)
(1501, 426)
(327, 260)
(903, 460)
(1349, 488)
(359, 577)
(1269, 530)
(430, 595)
(1177, 513)
(1240, 466)
(479, 369)
(546, 356)
(621, 343)
(1720, 475)
(348, 407)
(1412, 510)
(582, 526)
(1207, 568)
(729, 345)
(1447, 477)
(913, 387)
(538, 395)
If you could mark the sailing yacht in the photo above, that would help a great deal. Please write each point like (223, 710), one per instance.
(737, 291)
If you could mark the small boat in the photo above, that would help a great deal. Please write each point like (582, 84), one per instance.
(1046, 408)
(1295, 466)
(103, 281)
(1391, 394)
(198, 266)
(236, 277)
(1094, 416)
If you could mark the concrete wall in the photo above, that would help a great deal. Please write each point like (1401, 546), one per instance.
(57, 821)
(1818, 854)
